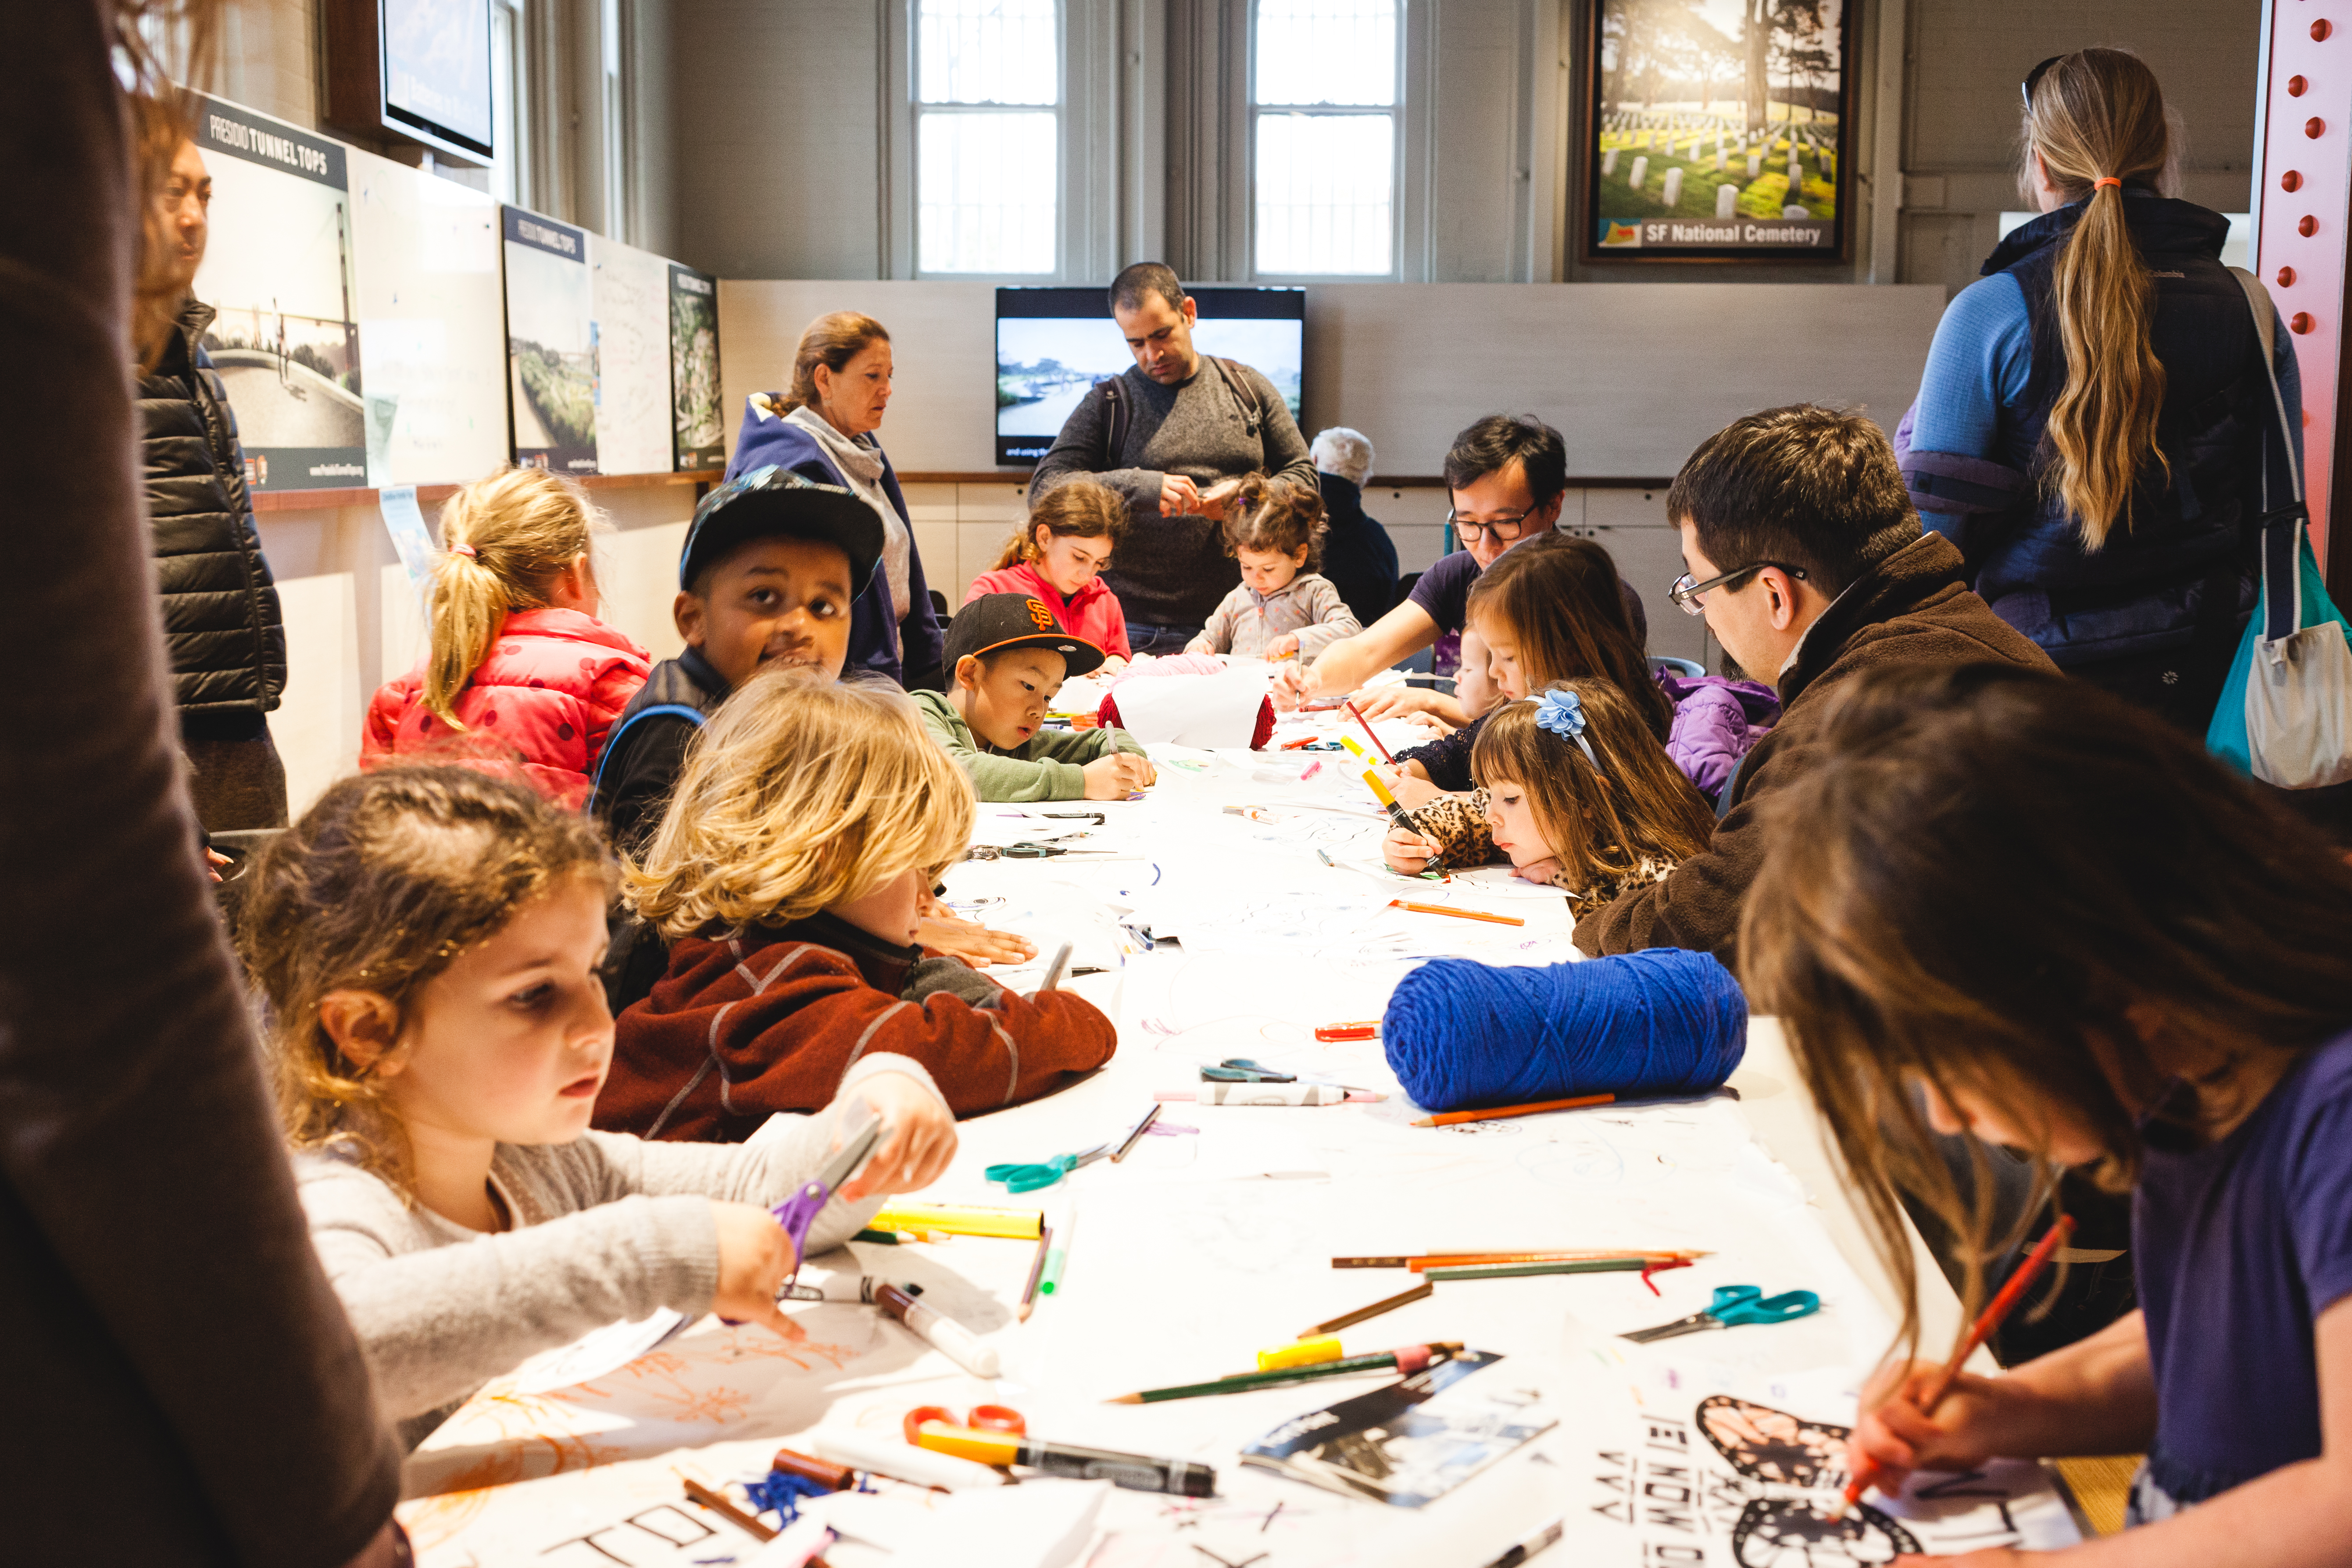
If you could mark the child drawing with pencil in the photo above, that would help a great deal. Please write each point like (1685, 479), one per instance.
(1006, 660)
(1574, 791)
(786, 877)
(428, 940)
(2011, 912)
(1284, 608)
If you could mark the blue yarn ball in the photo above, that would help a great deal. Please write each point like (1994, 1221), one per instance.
(1661, 1022)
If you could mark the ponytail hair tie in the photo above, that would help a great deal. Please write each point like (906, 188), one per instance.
(2106, 180)
(467, 551)
(1561, 713)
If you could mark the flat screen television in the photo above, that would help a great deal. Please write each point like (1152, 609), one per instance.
(1054, 344)
(415, 69)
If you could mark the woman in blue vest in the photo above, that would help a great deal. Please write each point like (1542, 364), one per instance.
(2089, 430)
(823, 429)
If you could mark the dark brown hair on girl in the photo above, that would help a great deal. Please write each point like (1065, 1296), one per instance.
(384, 881)
(1995, 877)
(1562, 601)
(1273, 515)
(1636, 805)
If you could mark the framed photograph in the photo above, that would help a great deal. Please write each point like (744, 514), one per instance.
(1716, 131)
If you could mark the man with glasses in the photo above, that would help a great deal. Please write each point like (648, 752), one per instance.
(1804, 554)
(1508, 477)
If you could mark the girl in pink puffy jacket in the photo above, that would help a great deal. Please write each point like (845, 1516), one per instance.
(521, 675)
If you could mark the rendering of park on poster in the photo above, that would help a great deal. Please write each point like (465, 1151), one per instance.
(550, 344)
(697, 439)
(278, 275)
(1719, 130)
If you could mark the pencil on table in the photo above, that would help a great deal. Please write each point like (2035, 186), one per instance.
(1498, 1113)
(1367, 723)
(1457, 914)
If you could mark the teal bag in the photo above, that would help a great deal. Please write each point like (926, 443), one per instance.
(2285, 712)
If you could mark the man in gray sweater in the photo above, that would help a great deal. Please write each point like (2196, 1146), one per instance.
(1174, 437)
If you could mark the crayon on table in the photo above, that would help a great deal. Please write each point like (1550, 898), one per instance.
(1135, 1472)
(1420, 1292)
(1057, 1259)
(1306, 1351)
(1036, 1273)
(961, 1219)
(1404, 1361)
(1458, 914)
(1497, 1112)
(750, 1524)
(1573, 1265)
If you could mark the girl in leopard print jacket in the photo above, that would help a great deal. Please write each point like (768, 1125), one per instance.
(1574, 790)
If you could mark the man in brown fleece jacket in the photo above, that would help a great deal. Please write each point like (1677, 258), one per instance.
(1808, 561)
(183, 1387)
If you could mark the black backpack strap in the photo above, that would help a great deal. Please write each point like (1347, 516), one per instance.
(1116, 442)
(1243, 392)
(694, 716)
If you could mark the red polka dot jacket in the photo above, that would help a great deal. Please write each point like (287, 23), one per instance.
(541, 704)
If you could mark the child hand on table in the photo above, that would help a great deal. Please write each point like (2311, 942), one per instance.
(1407, 852)
(943, 931)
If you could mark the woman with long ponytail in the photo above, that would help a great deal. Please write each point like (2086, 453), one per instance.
(2089, 428)
(520, 675)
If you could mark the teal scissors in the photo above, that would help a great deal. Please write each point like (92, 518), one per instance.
(1733, 1305)
(1031, 1178)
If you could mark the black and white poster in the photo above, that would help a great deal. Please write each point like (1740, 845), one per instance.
(278, 273)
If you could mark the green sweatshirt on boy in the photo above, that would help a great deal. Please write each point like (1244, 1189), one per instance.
(1049, 766)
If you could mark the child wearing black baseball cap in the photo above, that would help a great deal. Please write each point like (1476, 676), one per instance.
(772, 567)
(1006, 658)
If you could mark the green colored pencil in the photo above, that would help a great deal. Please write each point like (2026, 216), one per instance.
(1577, 1266)
(1244, 1382)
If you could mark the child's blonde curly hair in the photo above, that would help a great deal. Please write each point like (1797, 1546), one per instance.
(800, 796)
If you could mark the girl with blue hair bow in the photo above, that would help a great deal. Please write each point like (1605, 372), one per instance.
(1574, 790)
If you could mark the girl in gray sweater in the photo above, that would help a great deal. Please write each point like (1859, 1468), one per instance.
(428, 941)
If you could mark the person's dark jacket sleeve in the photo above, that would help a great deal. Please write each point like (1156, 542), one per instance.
(183, 1383)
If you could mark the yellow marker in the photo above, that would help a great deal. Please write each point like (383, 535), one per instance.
(961, 1219)
(1303, 1353)
(1349, 741)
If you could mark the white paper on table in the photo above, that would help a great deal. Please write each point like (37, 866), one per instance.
(593, 1354)
(1040, 1524)
(1206, 711)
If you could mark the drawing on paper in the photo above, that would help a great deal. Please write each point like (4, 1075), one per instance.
(1752, 1486)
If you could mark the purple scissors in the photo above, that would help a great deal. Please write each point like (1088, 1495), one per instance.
(799, 1212)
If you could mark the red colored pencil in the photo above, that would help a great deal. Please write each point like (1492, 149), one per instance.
(1988, 1324)
(1367, 723)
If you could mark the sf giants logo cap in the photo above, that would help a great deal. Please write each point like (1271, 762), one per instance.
(998, 621)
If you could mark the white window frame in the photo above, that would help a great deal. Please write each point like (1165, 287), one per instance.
(1394, 110)
(916, 112)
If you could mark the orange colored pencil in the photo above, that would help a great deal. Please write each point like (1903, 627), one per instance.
(1457, 914)
(1497, 1113)
(1988, 1324)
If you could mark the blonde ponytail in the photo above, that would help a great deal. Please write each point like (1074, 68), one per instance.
(507, 538)
(2096, 120)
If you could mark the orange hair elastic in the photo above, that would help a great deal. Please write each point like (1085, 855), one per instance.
(2106, 180)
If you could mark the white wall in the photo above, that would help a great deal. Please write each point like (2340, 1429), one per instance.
(1635, 374)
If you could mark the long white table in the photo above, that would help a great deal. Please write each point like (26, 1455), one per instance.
(1206, 1245)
